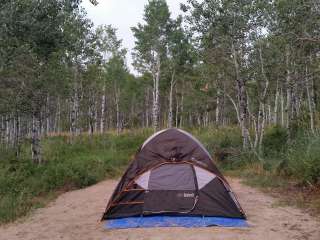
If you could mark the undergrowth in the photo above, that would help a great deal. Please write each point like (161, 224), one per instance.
(24, 185)
(292, 166)
(288, 167)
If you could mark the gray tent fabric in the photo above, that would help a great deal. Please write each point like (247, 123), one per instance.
(203, 176)
(172, 177)
(143, 180)
(176, 177)
(151, 137)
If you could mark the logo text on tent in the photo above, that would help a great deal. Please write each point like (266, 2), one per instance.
(187, 195)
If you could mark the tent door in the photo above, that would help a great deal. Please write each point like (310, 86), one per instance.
(171, 188)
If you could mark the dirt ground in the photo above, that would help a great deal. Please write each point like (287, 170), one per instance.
(76, 214)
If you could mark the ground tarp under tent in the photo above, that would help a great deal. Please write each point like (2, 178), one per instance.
(172, 181)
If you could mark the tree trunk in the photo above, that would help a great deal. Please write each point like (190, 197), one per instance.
(74, 113)
(147, 108)
(218, 107)
(47, 116)
(282, 108)
(170, 115)
(7, 134)
(35, 138)
(155, 107)
(275, 109)
(236, 108)
(177, 107)
(95, 116)
(262, 104)
(181, 110)
(242, 99)
(118, 124)
(311, 103)
(91, 113)
(3, 129)
(206, 117)
(74, 116)
(103, 110)
(288, 108)
(57, 126)
(17, 135)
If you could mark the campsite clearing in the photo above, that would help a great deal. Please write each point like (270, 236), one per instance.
(76, 215)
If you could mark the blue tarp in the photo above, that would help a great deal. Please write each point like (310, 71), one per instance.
(173, 221)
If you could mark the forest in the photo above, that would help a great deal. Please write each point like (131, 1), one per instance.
(242, 75)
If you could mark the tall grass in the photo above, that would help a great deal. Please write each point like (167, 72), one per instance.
(24, 186)
(290, 167)
(296, 159)
(303, 159)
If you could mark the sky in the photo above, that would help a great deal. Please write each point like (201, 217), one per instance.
(122, 15)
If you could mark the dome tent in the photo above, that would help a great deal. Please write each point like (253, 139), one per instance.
(172, 175)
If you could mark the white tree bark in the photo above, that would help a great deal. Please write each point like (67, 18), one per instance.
(181, 109)
(117, 99)
(311, 102)
(261, 118)
(47, 117)
(177, 107)
(206, 118)
(7, 133)
(288, 108)
(155, 107)
(103, 110)
(282, 107)
(95, 117)
(58, 117)
(17, 134)
(3, 129)
(242, 98)
(218, 107)
(276, 104)
(235, 106)
(170, 115)
(74, 114)
(91, 113)
(147, 108)
(35, 138)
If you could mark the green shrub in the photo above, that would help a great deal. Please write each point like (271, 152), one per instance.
(303, 159)
(91, 159)
(275, 140)
(67, 166)
(219, 138)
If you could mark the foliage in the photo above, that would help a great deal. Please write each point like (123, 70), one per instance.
(152, 37)
(275, 140)
(221, 66)
(297, 159)
(24, 186)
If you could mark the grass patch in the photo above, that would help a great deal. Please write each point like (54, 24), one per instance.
(289, 191)
(289, 169)
(25, 186)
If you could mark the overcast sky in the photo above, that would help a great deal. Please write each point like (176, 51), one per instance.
(122, 15)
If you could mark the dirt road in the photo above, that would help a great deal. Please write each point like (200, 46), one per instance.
(75, 215)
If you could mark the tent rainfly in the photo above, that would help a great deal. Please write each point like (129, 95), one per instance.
(173, 176)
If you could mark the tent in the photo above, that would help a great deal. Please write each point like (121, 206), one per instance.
(172, 181)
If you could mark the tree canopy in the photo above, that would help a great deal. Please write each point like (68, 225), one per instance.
(248, 63)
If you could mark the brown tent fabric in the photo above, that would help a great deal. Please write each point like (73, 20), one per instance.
(173, 174)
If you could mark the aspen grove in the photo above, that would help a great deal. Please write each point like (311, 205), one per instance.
(250, 63)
